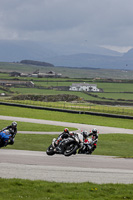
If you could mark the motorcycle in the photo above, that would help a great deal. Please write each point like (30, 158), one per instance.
(87, 147)
(6, 136)
(67, 146)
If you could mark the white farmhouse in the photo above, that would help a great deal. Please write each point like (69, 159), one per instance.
(84, 87)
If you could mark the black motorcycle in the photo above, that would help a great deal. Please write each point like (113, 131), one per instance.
(67, 147)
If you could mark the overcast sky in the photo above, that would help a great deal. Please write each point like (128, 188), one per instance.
(106, 23)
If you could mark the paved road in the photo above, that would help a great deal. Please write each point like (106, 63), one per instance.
(101, 129)
(77, 168)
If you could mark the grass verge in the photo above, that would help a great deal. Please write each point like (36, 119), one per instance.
(41, 190)
(27, 126)
(110, 144)
(65, 117)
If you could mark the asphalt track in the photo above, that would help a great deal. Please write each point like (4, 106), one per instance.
(101, 129)
(76, 168)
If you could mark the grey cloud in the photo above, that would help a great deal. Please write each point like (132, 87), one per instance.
(99, 22)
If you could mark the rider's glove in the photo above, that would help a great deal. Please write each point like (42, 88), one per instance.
(56, 143)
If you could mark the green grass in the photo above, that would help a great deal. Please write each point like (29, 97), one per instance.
(17, 189)
(26, 126)
(116, 87)
(2, 91)
(115, 144)
(109, 145)
(107, 87)
(32, 142)
(128, 110)
(124, 96)
(65, 117)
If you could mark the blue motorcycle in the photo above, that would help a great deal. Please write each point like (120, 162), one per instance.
(5, 138)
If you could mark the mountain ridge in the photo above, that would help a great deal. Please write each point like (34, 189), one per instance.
(15, 51)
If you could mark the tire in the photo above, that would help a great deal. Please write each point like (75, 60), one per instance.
(72, 148)
(80, 152)
(50, 151)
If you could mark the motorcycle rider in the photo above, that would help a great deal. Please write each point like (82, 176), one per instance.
(92, 145)
(5, 137)
(94, 135)
(66, 134)
(85, 134)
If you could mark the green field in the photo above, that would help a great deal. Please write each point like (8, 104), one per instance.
(121, 96)
(68, 71)
(84, 107)
(115, 91)
(16, 189)
(66, 117)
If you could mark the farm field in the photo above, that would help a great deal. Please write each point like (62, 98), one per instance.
(115, 93)
(68, 71)
(106, 87)
(116, 96)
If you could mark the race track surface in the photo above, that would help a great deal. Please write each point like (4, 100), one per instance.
(101, 129)
(77, 168)
(36, 165)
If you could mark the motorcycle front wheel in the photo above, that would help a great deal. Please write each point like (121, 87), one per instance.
(71, 149)
(50, 151)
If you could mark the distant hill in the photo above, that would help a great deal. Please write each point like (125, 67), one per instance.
(38, 63)
(16, 51)
(86, 60)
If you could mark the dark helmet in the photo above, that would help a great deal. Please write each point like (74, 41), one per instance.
(85, 134)
(66, 130)
(14, 124)
(94, 130)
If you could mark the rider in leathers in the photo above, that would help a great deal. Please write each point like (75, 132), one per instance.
(94, 135)
(93, 144)
(13, 130)
(65, 135)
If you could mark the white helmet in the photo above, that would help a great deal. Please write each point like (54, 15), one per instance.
(94, 130)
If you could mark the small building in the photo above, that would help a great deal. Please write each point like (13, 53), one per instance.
(15, 74)
(24, 75)
(50, 74)
(2, 94)
(84, 87)
(10, 83)
(18, 74)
